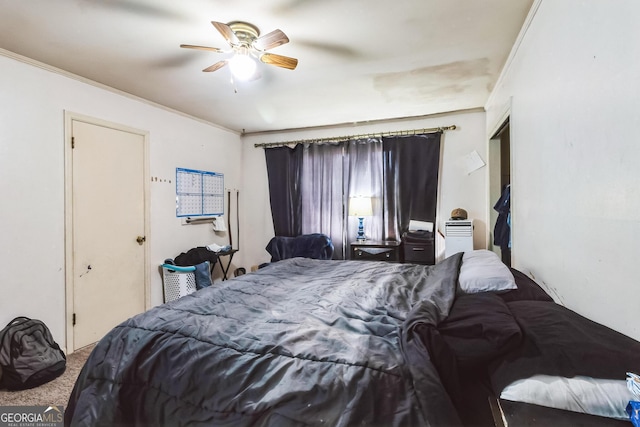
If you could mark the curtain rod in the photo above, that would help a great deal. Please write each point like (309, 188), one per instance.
(359, 136)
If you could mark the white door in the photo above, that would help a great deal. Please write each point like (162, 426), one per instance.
(108, 226)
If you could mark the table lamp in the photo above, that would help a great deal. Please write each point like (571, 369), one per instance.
(360, 207)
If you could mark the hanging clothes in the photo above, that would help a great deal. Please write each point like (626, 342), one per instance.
(502, 230)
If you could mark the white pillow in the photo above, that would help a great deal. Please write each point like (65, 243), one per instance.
(606, 398)
(482, 271)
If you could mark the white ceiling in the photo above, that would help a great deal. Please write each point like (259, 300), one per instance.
(359, 60)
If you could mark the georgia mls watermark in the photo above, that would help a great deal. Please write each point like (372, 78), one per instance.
(31, 416)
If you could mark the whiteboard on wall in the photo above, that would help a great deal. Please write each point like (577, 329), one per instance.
(199, 193)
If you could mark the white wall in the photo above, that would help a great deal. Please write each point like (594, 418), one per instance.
(32, 234)
(457, 188)
(575, 129)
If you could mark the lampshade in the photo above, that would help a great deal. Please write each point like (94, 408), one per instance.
(360, 206)
(243, 67)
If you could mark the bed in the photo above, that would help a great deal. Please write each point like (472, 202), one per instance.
(538, 363)
(299, 342)
(340, 343)
(566, 367)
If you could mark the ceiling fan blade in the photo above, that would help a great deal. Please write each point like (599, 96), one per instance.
(226, 32)
(279, 60)
(212, 49)
(269, 41)
(216, 66)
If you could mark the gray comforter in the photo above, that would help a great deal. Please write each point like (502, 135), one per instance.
(300, 342)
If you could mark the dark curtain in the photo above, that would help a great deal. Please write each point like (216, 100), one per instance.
(322, 192)
(411, 167)
(284, 169)
(363, 177)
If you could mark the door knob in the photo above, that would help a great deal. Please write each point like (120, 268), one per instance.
(141, 240)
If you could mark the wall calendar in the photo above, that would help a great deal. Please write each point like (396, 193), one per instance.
(199, 193)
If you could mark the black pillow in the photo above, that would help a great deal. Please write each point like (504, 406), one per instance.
(479, 328)
(559, 342)
(528, 289)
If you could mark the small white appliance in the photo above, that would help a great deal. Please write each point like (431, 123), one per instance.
(458, 236)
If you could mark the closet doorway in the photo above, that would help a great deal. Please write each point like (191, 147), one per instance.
(106, 227)
(499, 183)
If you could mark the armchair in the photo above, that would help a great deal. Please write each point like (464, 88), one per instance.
(315, 245)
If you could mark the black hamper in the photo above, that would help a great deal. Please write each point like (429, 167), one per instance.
(418, 247)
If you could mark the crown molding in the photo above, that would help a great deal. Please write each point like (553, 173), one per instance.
(72, 76)
(514, 50)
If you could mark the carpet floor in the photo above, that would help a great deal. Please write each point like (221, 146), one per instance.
(53, 393)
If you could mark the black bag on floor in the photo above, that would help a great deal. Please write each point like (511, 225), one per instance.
(29, 356)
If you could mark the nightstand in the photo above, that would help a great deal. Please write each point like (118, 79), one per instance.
(371, 250)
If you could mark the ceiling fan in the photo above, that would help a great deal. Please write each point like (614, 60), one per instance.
(246, 44)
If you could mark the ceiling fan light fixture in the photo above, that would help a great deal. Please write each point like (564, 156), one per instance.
(242, 66)
(248, 47)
